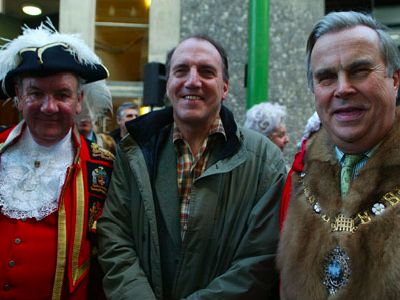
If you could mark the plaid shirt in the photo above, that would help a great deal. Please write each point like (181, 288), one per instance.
(189, 167)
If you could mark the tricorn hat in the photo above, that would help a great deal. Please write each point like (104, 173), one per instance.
(44, 51)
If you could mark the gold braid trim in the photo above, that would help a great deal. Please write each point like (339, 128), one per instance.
(61, 244)
(77, 270)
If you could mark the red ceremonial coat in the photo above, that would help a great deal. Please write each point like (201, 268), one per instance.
(52, 258)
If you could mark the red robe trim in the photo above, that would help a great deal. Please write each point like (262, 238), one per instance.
(297, 167)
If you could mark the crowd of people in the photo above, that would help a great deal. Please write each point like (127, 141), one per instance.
(184, 202)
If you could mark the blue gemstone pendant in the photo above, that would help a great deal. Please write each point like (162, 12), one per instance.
(337, 270)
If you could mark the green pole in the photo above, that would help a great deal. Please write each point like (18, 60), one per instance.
(257, 66)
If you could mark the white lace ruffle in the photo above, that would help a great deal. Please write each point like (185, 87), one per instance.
(27, 191)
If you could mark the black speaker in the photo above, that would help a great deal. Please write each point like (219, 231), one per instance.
(154, 84)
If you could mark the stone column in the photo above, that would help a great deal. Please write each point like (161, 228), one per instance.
(164, 28)
(291, 22)
(226, 22)
(78, 16)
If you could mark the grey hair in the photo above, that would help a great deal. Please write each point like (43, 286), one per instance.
(265, 117)
(124, 106)
(338, 21)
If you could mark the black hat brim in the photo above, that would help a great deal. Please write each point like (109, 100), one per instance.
(51, 60)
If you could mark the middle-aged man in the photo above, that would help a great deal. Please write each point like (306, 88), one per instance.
(341, 236)
(125, 112)
(53, 182)
(193, 198)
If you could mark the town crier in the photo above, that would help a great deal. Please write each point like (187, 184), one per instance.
(53, 182)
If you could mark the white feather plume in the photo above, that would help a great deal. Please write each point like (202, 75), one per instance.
(97, 100)
(38, 37)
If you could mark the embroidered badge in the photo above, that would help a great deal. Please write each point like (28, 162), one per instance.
(99, 152)
(94, 213)
(100, 180)
(337, 270)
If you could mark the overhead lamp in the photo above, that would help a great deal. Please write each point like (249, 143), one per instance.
(147, 3)
(31, 10)
(111, 11)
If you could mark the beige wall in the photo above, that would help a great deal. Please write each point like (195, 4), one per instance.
(165, 17)
(78, 16)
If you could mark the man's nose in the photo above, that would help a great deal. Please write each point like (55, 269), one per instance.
(344, 87)
(49, 104)
(193, 79)
(287, 140)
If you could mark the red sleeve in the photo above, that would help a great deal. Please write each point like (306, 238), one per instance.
(297, 166)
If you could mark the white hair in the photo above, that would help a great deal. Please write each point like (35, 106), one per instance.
(265, 117)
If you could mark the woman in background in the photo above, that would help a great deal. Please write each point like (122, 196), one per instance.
(269, 119)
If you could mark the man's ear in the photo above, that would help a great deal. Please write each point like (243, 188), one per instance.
(396, 80)
(79, 103)
(225, 90)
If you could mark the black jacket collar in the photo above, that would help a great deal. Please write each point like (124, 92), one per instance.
(155, 126)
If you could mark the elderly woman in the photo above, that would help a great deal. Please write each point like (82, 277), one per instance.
(269, 119)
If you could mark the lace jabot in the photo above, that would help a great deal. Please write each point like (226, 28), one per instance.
(31, 177)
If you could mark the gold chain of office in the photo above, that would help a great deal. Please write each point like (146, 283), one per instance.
(341, 223)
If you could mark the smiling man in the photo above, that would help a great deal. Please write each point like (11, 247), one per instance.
(53, 182)
(340, 239)
(192, 210)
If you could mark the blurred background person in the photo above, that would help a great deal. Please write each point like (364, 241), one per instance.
(269, 119)
(97, 104)
(125, 112)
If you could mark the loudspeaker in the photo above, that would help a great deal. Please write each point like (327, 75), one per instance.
(154, 84)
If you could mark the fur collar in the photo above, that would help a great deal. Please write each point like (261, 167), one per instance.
(373, 248)
(367, 188)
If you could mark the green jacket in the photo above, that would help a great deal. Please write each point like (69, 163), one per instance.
(230, 245)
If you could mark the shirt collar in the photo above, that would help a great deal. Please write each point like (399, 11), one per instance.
(216, 127)
(92, 137)
(340, 154)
